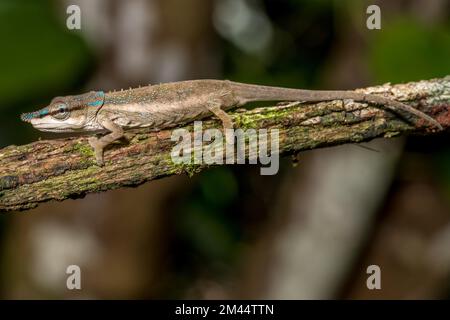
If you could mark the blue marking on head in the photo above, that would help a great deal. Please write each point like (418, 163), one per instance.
(99, 101)
(43, 112)
(96, 103)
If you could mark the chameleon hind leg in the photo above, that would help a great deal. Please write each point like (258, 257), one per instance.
(99, 144)
(215, 108)
(227, 121)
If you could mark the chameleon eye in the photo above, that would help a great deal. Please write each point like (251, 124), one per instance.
(61, 112)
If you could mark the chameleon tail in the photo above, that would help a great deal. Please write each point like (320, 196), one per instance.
(249, 93)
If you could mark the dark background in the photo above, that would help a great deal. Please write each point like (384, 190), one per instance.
(309, 232)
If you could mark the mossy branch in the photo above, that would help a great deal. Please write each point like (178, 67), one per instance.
(65, 168)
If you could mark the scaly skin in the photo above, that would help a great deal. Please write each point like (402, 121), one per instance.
(171, 104)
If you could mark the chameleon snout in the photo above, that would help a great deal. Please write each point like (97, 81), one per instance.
(27, 117)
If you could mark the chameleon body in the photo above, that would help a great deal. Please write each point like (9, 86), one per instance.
(172, 104)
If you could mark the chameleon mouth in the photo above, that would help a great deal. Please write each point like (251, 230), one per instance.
(46, 127)
(52, 127)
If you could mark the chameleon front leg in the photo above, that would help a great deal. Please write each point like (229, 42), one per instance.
(99, 144)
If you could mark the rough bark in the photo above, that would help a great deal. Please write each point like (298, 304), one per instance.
(65, 168)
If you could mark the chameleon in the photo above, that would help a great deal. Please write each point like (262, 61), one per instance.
(175, 103)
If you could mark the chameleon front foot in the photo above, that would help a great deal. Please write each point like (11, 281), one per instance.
(95, 143)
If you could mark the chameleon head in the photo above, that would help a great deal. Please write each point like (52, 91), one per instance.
(67, 114)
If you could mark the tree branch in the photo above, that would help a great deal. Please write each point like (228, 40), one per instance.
(65, 168)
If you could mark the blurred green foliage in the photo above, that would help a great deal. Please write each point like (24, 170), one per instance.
(38, 54)
(409, 50)
(39, 59)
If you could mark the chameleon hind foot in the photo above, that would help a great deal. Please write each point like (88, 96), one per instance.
(215, 108)
(227, 121)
